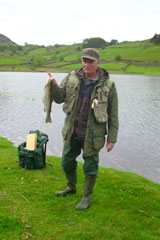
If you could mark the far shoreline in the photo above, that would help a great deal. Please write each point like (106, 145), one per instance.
(62, 70)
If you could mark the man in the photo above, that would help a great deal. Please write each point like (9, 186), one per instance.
(91, 107)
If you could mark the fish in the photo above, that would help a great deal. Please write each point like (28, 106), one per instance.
(47, 101)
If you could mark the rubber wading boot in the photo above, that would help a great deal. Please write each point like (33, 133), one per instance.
(88, 191)
(71, 184)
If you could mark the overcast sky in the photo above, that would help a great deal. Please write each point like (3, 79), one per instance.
(47, 22)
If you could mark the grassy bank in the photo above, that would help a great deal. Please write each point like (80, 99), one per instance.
(116, 68)
(125, 205)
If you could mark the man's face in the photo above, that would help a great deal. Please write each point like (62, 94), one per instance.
(89, 66)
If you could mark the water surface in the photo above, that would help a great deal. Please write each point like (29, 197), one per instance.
(138, 146)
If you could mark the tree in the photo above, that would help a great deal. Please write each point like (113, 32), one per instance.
(61, 58)
(38, 61)
(155, 39)
(113, 42)
(93, 43)
(118, 58)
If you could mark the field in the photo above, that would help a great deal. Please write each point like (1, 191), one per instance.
(124, 205)
(140, 57)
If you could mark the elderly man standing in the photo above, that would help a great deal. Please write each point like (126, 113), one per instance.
(91, 107)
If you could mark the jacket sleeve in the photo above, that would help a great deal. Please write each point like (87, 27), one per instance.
(59, 91)
(113, 122)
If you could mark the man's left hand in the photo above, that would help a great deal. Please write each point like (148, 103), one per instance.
(109, 146)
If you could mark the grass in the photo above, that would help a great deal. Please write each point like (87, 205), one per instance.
(132, 53)
(143, 70)
(113, 66)
(73, 66)
(55, 64)
(38, 52)
(72, 57)
(124, 206)
(12, 60)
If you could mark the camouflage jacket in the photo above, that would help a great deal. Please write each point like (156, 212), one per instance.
(102, 117)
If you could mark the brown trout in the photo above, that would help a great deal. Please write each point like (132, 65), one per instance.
(47, 100)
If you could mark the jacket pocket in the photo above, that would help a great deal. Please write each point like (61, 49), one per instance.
(64, 133)
(100, 113)
(70, 99)
(98, 142)
(68, 106)
(100, 109)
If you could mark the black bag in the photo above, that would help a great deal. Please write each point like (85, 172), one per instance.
(33, 159)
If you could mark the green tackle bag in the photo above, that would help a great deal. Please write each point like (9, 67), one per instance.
(33, 159)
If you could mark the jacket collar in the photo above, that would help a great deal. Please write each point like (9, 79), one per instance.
(102, 73)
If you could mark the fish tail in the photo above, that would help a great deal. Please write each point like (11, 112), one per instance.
(48, 119)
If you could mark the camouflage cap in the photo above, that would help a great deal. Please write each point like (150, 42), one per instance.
(90, 53)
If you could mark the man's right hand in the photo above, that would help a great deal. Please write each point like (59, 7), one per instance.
(51, 78)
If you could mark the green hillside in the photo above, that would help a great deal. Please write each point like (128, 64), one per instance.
(142, 57)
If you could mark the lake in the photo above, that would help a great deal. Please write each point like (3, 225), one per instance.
(138, 146)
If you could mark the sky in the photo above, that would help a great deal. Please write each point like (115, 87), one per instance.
(50, 22)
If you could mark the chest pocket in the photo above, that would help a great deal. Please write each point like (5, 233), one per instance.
(71, 93)
(100, 109)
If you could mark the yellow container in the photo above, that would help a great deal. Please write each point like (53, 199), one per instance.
(31, 143)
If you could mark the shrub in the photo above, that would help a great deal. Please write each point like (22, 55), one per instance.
(118, 58)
